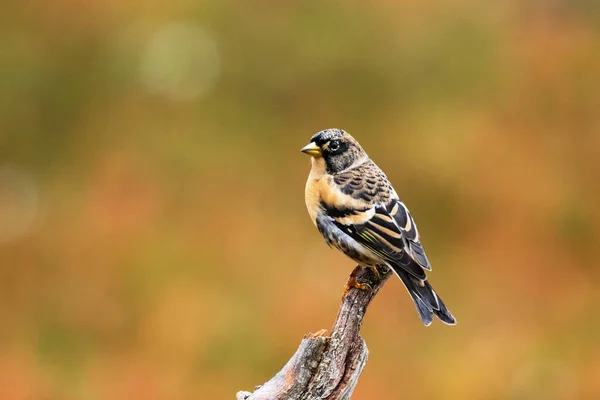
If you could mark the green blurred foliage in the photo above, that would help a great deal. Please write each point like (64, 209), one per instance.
(153, 237)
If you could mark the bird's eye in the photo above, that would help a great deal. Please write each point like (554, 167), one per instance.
(334, 145)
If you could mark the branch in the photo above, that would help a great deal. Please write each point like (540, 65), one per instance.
(327, 367)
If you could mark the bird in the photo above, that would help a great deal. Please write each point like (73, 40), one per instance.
(354, 206)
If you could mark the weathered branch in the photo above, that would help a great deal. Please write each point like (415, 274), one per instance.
(327, 367)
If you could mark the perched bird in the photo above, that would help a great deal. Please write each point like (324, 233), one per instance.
(356, 209)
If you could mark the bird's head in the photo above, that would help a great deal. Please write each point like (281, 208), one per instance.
(337, 148)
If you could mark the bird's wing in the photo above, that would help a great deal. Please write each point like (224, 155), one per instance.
(367, 208)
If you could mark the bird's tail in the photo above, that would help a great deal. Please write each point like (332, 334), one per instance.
(426, 299)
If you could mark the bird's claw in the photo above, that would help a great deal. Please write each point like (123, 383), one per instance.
(353, 283)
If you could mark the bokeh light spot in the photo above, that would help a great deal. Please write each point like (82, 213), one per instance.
(180, 61)
(18, 203)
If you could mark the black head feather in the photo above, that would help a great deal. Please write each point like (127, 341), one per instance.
(339, 150)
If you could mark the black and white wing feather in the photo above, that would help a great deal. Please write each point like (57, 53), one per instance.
(370, 212)
(383, 224)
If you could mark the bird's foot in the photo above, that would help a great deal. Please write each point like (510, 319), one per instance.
(353, 283)
(375, 272)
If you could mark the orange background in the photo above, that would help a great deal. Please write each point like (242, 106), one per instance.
(154, 242)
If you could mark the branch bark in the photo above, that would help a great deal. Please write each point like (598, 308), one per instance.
(327, 367)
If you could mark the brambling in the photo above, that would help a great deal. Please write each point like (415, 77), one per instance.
(356, 209)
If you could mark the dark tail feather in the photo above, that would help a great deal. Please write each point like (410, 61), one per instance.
(426, 299)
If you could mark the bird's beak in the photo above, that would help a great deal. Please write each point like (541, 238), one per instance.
(312, 150)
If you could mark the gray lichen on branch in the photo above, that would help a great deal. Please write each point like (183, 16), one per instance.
(327, 367)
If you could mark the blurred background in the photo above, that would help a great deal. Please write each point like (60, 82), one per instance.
(154, 242)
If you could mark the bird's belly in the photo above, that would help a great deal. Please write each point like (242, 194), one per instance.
(346, 244)
(359, 254)
(319, 189)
